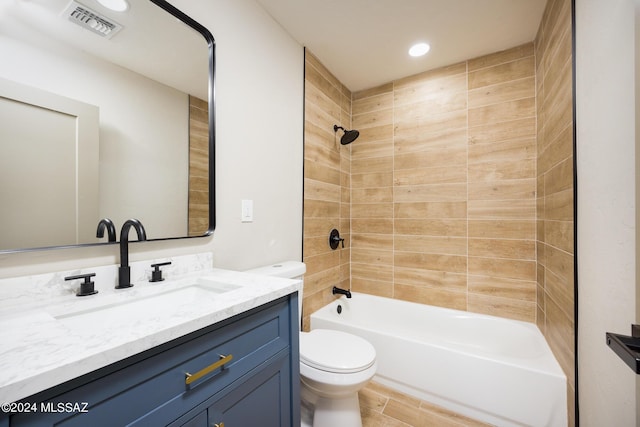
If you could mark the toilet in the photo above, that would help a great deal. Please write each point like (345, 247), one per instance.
(334, 365)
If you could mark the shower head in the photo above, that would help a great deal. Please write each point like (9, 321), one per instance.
(349, 135)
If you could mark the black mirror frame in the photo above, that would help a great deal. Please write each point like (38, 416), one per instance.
(211, 43)
(172, 10)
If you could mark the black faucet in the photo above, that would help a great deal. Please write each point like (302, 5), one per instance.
(124, 272)
(111, 229)
(337, 290)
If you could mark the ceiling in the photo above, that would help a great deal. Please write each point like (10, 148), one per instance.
(364, 43)
(150, 43)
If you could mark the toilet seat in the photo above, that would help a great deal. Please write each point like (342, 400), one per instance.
(336, 351)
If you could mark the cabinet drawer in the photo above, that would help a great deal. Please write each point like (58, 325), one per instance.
(158, 383)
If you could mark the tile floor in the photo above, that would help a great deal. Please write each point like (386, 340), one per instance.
(383, 407)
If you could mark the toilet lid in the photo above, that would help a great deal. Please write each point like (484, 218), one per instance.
(335, 351)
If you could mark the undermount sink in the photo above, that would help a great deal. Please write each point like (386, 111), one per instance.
(140, 308)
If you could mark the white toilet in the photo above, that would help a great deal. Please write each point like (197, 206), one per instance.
(334, 365)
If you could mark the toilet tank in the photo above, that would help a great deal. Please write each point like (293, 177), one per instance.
(287, 270)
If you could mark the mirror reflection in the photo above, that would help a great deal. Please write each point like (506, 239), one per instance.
(105, 115)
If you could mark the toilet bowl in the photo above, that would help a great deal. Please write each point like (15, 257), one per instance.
(334, 365)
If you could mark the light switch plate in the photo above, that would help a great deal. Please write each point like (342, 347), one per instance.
(247, 211)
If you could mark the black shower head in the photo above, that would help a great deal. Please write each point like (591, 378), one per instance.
(349, 135)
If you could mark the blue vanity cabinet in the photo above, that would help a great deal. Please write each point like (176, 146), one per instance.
(259, 382)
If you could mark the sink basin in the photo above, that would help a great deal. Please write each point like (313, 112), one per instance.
(125, 312)
(216, 286)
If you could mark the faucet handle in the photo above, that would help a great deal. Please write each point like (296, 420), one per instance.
(86, 287)
(156, 274)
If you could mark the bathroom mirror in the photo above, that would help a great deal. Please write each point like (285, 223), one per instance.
(105, 114)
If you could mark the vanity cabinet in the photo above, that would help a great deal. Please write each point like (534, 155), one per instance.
(258, 383)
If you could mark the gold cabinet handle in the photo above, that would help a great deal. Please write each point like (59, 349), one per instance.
(218, 425)
(194, 377)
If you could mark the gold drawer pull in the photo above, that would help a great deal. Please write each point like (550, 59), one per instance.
(194, 377)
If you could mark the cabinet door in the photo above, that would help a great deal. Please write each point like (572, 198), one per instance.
(199, 420)
(262, 400)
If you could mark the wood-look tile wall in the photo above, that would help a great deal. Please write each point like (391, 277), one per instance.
(444, 187)
(326, 185)
(555, 231)
(198, 166)
(459, 191)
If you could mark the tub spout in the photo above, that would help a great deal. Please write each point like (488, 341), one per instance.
(337, 290)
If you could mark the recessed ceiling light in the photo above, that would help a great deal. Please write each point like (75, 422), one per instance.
(115, 5)
(419, 49)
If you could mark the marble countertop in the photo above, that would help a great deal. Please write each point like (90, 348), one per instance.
(46, 345)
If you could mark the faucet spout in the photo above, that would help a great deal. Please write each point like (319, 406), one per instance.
(337, 290)
(111, 229)
(124, 272)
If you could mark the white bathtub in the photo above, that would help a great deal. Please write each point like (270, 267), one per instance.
(492, 369)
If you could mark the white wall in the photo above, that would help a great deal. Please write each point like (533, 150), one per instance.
(260, 98)
(259, 139)
(606, 206)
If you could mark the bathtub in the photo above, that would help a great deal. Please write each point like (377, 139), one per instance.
(494, 370)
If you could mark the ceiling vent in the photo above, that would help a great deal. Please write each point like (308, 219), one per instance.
(92, 20)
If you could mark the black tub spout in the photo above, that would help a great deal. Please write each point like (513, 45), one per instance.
(337, 290)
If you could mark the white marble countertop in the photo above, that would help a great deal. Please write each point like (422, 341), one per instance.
(46, 345)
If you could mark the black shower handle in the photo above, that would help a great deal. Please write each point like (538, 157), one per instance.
(334, 239)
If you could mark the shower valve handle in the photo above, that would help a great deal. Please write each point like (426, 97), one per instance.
(334, 239)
